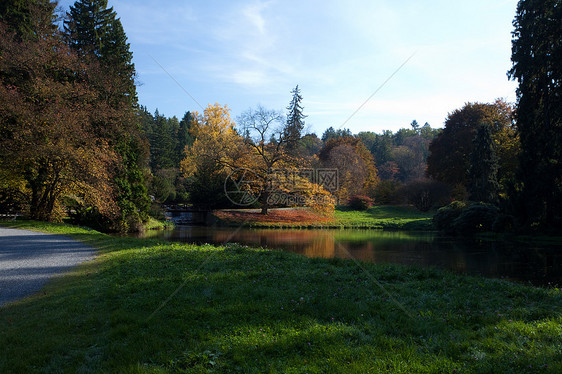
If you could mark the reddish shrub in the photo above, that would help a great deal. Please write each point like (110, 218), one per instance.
(360, 202)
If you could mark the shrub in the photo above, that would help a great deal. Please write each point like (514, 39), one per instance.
(476, 218)
(444, 218)
(360, 202)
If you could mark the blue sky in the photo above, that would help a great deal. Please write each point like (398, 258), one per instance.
(244, 53)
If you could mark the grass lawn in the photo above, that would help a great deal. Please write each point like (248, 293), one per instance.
(145, 306)
(377, 217)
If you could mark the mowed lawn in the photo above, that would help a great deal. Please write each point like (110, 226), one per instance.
(145, 306)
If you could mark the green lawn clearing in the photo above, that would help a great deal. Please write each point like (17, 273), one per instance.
(145, 306)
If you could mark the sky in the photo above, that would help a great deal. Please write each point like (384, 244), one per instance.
(365, 65)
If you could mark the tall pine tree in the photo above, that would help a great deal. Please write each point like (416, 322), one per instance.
(483, 172)
(295, 120)
(93, 29)
(537, 66)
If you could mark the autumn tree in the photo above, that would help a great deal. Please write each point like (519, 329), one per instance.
(49, 149)
(268, 138)
(212, 155)
(357, 173)
(537, 66)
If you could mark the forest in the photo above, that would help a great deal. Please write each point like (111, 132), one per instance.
(77, 145)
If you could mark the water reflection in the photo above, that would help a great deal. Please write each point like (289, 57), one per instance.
(540, 265)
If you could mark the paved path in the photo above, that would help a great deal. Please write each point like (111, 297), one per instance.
(28, 259)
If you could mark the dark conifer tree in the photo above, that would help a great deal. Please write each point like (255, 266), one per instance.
(537, 66)
(184, 136)
(295, 120)
(483, 172)
(28, 19)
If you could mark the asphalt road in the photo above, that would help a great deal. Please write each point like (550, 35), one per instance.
(28, 259)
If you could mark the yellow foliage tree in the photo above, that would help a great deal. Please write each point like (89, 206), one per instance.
(214, 153)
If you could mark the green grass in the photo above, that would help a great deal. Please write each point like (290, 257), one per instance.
(237, 309)
(154, 224)
(385, 217)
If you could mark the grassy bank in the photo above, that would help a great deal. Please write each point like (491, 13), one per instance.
(377, 217)
(236, 309)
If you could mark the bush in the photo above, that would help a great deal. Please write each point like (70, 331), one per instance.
(360, 202)
(476, 218)
(469, 218)
(444, 218)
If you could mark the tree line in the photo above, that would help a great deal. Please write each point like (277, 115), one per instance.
(70, 143)
(76, 143)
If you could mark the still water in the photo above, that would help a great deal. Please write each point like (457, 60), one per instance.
(527, 262)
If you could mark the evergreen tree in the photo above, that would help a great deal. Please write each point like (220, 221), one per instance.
(184, 136)
(331, 133)
(537, 66)
(295, 120)
(94, 31)
(483, 172)
(28, 19)
(92, 28)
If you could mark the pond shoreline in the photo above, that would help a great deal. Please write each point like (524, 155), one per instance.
(488, 255)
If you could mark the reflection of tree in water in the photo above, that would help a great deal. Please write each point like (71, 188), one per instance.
(537, 264)
(520, 261)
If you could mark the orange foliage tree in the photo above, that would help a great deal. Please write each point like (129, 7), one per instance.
(357, 173)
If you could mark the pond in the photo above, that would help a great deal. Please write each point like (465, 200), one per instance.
(527, 262)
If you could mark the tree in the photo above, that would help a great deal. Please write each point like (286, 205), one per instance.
(415, 126)
(382, 147)
(357, 173)
(482, 175)
(267, 138)
(28, 19)
(449, 152)
(295, 120)
(309, 145)
(425, 194)
(211, 156)
(49, 148)
(537, 66)
(94, 31)
(163, 142)
(331, 133)
(184, 137)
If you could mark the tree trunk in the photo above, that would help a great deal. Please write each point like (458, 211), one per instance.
(265, 202)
